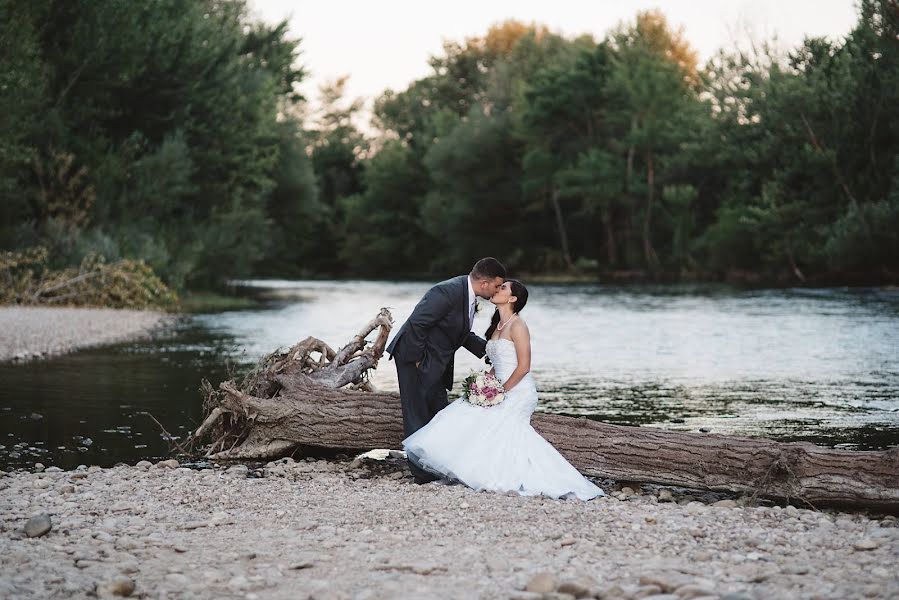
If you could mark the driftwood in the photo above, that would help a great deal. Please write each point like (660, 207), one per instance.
(298, 399)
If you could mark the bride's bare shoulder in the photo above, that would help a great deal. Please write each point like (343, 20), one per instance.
(520, 327)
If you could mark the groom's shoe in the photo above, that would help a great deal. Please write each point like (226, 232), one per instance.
(422, 479)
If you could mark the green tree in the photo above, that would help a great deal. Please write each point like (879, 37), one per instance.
(383, 232)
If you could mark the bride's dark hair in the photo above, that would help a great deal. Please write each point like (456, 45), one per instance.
(521, 298)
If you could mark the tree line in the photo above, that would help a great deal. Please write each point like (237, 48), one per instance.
(173, 132)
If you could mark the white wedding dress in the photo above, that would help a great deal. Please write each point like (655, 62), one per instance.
(495, 448)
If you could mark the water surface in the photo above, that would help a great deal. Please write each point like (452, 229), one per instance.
(800, 364)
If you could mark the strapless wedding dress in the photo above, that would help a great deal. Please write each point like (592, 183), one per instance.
(496, 448)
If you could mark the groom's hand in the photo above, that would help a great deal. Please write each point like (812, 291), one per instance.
(417, 364)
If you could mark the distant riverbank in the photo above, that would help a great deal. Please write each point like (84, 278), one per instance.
(31, 332)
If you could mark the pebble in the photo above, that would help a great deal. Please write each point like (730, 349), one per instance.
(42, 331)
(866, 544)
(168, 464)
(119, 586)
(38, 525)
(378, 537)
(692, 590)
(542, 583)
(579, 588)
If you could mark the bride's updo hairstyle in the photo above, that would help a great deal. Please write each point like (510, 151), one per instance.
(521, 298)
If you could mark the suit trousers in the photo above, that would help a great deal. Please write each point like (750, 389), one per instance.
(420, 403)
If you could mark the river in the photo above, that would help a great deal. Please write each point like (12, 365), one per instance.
(818, 365)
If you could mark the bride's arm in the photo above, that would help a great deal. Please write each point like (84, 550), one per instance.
(521, 337)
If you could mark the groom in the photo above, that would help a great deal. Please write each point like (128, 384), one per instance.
(425, 345)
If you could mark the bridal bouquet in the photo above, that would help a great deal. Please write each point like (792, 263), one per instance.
(483, 389)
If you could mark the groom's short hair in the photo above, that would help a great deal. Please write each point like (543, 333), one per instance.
(488, 268)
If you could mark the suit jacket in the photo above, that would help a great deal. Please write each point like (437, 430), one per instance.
(437, 327)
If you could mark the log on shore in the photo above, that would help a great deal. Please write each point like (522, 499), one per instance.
(296, 400)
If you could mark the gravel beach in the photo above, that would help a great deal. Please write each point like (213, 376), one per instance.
(28, 332)
(363, 530)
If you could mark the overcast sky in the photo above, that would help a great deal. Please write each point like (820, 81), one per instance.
(386, 44)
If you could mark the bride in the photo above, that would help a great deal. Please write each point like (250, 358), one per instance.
(495, 448)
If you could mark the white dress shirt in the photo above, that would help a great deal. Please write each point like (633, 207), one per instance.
(472, 303)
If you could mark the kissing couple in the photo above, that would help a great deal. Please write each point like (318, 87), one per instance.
(490, 447)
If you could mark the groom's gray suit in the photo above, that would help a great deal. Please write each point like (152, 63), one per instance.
(438, 326)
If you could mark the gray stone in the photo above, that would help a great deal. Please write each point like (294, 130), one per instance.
(103, 536)
(120, 586)
(692, 590)
(665, 581)
(542, 583)
(38, 525)
(665, 496)
(582, 587)
(866, 544)
(238, 582)
(178, 579)
(495, 564)
(168, 464)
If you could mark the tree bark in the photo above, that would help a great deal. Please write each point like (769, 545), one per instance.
(291, 405)
(649, 252)
(560, 223)
(611, 244)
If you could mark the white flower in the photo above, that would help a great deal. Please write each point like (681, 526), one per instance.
(481, 398)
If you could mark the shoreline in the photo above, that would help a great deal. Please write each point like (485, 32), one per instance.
(37, 332)
(360, 529)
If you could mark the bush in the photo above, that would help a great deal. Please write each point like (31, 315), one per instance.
(866, 237)
(27, 279)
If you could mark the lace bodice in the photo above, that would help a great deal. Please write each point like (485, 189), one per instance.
(503, 357)
(523, 397)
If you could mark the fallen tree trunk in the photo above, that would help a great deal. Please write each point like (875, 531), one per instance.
(294, 401)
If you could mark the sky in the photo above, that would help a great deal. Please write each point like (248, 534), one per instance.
(386, 44)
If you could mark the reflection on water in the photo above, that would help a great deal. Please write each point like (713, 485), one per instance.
(817, 365)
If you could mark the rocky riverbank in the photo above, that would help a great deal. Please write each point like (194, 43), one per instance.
(363, 530)
(30, 332)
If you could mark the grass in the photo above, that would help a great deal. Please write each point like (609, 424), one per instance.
(206, 301)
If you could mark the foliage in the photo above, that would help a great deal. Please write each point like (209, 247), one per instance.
(158, 133)
(28, 280)
(173, 132)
